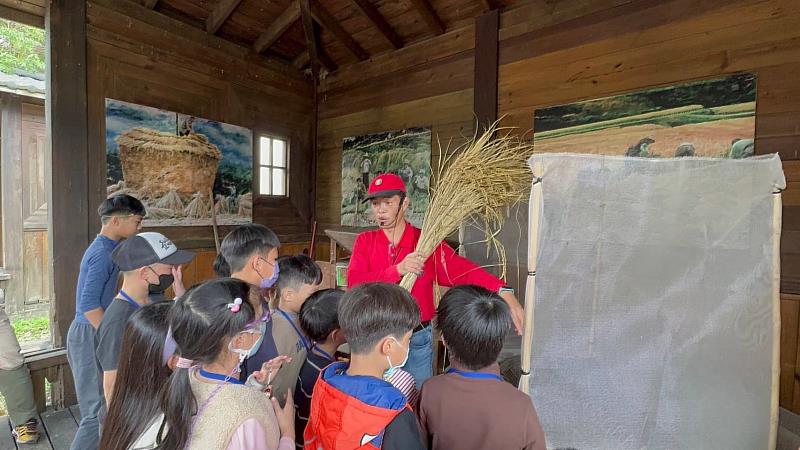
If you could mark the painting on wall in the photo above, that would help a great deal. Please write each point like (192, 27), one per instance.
(406, 153)
(184, 169)
(706, 118)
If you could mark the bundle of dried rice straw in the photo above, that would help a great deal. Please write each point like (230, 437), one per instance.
(475, 183)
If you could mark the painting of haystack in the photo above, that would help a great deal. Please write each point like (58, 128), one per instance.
(707, 118)
(406, 153)
(185, 169)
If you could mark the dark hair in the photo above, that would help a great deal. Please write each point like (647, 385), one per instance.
(297, 270)
(201, 322)
(474, 322)
(242, 242)
(221, 267)
(141, 375)
(370, 312)
(120, 205)
(318, 316)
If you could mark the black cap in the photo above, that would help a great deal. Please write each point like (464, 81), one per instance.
(148, 248)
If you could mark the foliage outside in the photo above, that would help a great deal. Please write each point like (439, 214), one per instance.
(21, 48)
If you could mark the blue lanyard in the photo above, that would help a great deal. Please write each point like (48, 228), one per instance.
(220, 377)
(322, 353)
(296, 330)
(480, 375)
(128, 299)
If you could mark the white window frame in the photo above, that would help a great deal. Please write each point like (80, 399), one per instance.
(271, 167)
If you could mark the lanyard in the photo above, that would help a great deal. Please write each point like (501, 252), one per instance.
(296, 330)
(128, 299)
(322, 353)
(479, 375)
(220, 377)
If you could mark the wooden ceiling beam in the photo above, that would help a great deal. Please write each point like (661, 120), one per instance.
(377, 20)
(332, 25)
(150, 3)
(277, 28)
(301, 60)
(488, 5)
(220, 14)
(316, 54)
(429, 16)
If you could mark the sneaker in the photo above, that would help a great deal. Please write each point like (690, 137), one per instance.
(27, 433)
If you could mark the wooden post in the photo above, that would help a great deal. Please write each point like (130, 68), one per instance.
(534, 219)
(12, 229)
(68, 209)
(486, 63)
(777, 212)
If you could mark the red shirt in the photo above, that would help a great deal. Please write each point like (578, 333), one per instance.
(375, 259)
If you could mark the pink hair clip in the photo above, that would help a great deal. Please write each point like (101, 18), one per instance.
(184, 363)
(236, 305)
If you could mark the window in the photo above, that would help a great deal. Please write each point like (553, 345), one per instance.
(273, 177)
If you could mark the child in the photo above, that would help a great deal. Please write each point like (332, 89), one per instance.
(474, 322)
(353, 406)
(299, 277)
(147, 261)
(144, 367)
(320, 321)
(249, 253)
(121, 217)
(205, 405)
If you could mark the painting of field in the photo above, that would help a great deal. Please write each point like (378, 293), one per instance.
(406, 153)
(185, 169)
(707, 118)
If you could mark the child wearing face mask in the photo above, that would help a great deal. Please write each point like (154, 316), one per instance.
(147, 261)
(353, 405)
(204, 403)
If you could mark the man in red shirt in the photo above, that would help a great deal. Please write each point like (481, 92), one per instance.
(387, 254)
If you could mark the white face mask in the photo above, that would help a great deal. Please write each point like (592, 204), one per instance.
(392, 368)
(244, 354)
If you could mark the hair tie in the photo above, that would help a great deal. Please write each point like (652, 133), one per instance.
(170, 346)
(184, 363)
(236, 305)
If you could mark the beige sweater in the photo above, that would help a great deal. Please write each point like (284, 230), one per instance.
(231, 406)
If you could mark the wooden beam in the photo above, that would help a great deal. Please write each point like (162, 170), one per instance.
(377, 20)
(486, 65)
(316, 53)
(220, 14)
(301, 60)
(23, 17)
(150, 3)
(488, 5)
(330, 23)
(429, 16)
(66, 177)
(277, 28)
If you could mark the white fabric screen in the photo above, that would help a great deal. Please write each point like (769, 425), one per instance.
(654, 302)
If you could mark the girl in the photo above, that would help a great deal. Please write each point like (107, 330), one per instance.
(205, 405)
(144, 367)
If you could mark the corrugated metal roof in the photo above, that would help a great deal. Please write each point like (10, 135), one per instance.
(22, 84)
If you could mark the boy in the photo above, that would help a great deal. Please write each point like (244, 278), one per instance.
(148, 262)
(299, 277)
(320, 321)
(353, 406)
(121, 217)
(474, 322)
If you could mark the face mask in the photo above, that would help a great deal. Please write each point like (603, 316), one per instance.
(267, 283)
(392, 368)
(164, 282)
(244, 354)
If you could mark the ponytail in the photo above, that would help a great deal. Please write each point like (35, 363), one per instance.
(221, 266)
(179, 405)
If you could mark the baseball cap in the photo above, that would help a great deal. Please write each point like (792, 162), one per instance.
(385, 185)
(148, 248)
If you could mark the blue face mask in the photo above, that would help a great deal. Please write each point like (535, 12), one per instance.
(392, 368)
(267, 283)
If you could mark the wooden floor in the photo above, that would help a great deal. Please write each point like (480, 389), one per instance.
(57, 428)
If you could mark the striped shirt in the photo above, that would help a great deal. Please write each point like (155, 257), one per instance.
(304, 389)
(405, 383)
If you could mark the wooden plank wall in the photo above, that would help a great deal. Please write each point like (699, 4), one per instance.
(560, 51)
(141, 56)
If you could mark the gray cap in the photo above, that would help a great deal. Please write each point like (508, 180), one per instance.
(148, 248)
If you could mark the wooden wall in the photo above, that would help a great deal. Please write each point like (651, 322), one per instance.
(560, 51)
(137, 55)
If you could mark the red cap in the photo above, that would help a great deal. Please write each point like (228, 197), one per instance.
(386, 185)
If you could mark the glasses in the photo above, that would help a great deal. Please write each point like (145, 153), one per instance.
(264, 259)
